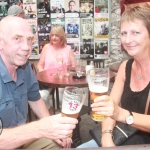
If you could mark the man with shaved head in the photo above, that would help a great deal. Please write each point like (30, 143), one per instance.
(18, 87)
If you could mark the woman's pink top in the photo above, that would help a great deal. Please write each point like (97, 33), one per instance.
(50, 56)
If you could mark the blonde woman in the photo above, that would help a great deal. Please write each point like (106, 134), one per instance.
(58, 45)
(132, 84)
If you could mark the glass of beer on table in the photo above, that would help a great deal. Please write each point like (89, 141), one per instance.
(73, 99)
(98, 81)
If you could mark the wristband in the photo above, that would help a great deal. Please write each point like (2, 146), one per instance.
(108, 131)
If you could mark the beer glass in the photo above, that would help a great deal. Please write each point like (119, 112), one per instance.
(78, 67)
(73, 99)
(59, 58)
(67, 70)
(98, 81)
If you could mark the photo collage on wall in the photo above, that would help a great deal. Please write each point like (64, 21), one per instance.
(101, 29)
(30, 9)
(86, 24)
(44, 22)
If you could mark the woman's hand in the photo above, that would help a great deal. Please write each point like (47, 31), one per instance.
(105, 105)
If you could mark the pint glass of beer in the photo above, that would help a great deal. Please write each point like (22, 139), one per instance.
(98, 81)
(73, 99)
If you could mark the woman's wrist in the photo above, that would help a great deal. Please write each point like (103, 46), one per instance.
(106, 138)
(108, 132)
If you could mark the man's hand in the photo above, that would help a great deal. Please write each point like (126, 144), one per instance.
(56, 127)
(65, 143)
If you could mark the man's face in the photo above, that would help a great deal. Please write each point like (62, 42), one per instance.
(72, 6)
(16, 43)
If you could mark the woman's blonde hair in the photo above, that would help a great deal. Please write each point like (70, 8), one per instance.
(137, 13)
(60, 32)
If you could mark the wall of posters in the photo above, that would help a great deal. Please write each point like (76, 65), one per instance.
(86, 24)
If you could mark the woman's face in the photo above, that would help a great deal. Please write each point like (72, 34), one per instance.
(55, 39)
(135, 38)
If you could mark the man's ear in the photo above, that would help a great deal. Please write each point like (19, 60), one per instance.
(18, 15)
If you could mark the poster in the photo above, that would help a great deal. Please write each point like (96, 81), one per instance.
(101, 49)
(35, 49)
(15, 2)
(44, 27)
(72, 27)
(72, 8)
(75, 46)
(86, 8)
(35, 52)
(29, 1)
(58, 21)
(87, 28)
(101, 27)
(87, 49)
(30, 11)
(43, 6)
(101, 9)
(57, 9)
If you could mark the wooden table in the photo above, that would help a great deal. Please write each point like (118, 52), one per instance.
(47, 78)
(115, 67)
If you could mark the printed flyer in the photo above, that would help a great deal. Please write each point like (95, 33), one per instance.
(87, 48)
(86, 8)
(72, 27)
(101, 28)
(75, 45)
(87, 28)
(101, 49)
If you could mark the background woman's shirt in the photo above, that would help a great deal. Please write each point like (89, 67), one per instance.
(50, 56)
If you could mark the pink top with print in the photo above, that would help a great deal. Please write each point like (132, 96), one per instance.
(50, 56)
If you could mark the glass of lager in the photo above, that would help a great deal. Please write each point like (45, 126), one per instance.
(98, 81)
(73, 99)
(78, 67)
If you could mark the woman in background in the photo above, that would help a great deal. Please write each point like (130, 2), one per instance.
(58, 45)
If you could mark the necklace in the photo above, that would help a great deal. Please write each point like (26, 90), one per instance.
(139, 77)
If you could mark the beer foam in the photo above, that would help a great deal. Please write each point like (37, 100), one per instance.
(98, 89)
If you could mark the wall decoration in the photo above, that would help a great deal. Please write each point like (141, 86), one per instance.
(86, 24)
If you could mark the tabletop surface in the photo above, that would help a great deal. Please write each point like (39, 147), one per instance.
(49, 78)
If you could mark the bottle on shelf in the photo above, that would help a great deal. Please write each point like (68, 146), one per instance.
(92, 64)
